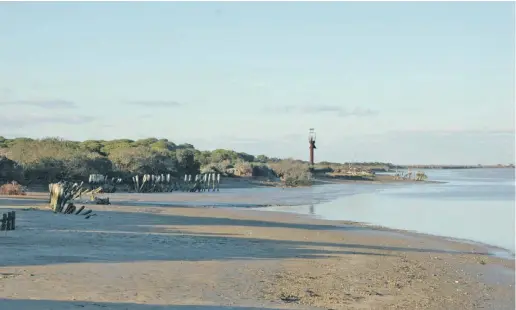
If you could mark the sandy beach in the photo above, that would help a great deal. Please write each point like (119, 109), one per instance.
(197, 257)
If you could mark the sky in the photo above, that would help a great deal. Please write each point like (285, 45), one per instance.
(400, 82)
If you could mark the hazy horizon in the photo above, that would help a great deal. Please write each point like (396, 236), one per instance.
(404, 82)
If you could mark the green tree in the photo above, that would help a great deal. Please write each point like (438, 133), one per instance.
(109, 146)
(92, 146)
(145, 142)
(203, 157)
(262, 159)
(163, 144)
(221, 155)
(246, 157)
(140, 160)
(186, 161)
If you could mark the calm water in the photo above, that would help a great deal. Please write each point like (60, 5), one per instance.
(474, 204)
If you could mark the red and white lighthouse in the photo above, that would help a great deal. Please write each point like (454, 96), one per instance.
(311, 141)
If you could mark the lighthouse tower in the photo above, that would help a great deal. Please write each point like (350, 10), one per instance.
(311, 141)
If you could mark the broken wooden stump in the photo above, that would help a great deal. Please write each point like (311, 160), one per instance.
(63, 192)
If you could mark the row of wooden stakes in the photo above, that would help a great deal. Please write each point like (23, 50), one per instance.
(152, 183)
(149, 183)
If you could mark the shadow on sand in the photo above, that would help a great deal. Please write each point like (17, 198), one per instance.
(129, 237)
(26, 304)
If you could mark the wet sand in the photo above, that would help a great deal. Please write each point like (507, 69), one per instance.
(185, 257)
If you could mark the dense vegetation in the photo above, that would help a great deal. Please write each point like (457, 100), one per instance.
(46, 160)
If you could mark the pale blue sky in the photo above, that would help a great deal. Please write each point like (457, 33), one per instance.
(400, 82)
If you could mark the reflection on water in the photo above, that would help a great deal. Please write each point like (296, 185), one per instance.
(476, 204)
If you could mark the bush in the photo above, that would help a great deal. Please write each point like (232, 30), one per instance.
(10, 170)
(292, 172)
(263, 170)
(12, 189)
(243, 168)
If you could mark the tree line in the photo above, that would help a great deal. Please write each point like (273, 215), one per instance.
(41, 161)
(46, 160)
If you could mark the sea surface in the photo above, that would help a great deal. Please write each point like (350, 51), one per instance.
(474, 204)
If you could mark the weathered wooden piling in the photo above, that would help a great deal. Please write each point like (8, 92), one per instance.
(13, 220)
(8, 221)
(148, 183)
(3, 226)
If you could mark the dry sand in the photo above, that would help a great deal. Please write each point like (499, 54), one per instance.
(145, 257)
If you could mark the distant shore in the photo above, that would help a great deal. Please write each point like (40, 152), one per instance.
(452, 166)
(378, 179)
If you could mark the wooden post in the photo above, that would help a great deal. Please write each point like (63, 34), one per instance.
(50, 193)
(13, 220)
(4, 222)
(135, 183)
(9, 219)
(185, 181)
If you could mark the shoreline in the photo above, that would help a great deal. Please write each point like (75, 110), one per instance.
(222, 254)
(492, 249)
(193, 202)
(246, 207)
(250, 208)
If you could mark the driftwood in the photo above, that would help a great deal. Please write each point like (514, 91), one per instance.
(79, 211)
(101, 201)
(87, 212)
